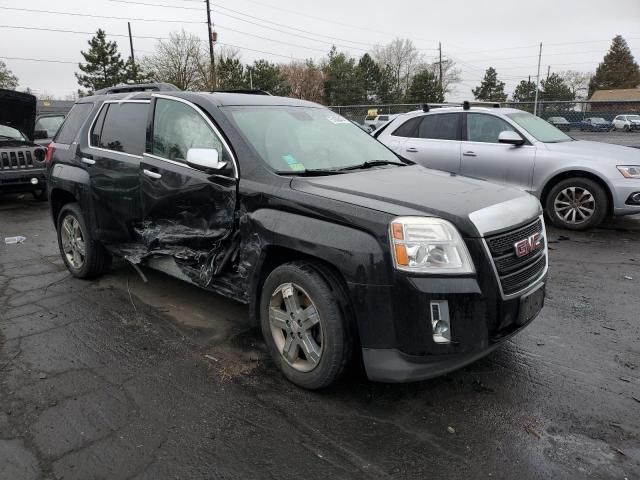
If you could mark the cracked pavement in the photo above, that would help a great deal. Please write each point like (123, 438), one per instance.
(123, 380)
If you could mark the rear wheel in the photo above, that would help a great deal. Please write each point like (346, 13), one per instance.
(626, 128)
(577, 204)
(83, 256)
(304, 327)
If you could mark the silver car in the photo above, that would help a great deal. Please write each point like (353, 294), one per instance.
(578, 182)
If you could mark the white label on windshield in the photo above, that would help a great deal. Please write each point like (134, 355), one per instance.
(336, 119)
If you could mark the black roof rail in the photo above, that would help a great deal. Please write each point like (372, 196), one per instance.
(138, 87)
(246, 91)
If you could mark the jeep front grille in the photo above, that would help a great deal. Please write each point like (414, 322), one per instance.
(16, 159)
(517, 273)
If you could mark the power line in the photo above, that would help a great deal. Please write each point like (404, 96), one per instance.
(20, 27)
(53, 12)
(37, 60)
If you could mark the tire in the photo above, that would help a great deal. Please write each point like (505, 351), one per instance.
(96, 259)
(626, 128)
(560, 196)
(332, 344)
(40, 195)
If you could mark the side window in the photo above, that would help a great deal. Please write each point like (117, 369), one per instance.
(440, 126)
(122, 127)
(177, 127)
(408, 128)
(49, 124)
(74, 121)
(485, 128)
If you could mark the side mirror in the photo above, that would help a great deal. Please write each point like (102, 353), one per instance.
(204, 159)
(511, 138)
(40, 135)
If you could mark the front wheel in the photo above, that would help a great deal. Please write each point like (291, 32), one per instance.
(577, 204)
(305, 329)
(40, 195)
(83, 256)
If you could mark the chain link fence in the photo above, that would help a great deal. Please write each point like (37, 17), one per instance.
(575, 112)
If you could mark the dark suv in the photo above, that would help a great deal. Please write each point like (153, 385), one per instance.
(339, 246)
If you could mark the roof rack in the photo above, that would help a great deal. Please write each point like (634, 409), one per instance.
(465, 105)
(246, 91)
(138, 87)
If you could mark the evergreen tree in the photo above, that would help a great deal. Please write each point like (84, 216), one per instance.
(267, 76)
(388, 92)
(103, 67)
(525, 91)
(490, 89)
(134, 73)
(554, 88)
(425, 87)
(230, 73)
(341, 81)
(369, 76)
(617, 70)
(7, 79)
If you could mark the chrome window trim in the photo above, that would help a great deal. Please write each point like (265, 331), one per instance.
(95, 118)
(173, 162)
(236, 170)
(534, 284)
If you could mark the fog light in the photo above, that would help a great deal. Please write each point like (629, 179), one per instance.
(34, 181)
(440, 323)
(634, 199)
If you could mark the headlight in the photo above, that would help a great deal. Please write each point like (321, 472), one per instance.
(630, 171)
(428, 245)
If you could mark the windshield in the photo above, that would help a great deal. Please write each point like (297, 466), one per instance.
(291, 139)
(633, 117)
(49, 124)
(598, 120)
(538, 128)
(10, 133)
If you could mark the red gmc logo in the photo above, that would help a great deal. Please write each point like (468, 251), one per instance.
(528, 245)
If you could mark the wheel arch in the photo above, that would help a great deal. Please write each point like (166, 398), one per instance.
(59, 198)
(572, 173)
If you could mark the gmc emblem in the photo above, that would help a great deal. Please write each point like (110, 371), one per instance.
(528, 245)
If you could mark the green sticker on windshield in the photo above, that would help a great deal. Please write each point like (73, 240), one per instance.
(293, 163)
(297, 167)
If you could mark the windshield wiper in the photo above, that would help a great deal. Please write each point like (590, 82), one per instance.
(373, 163)
(313, 172)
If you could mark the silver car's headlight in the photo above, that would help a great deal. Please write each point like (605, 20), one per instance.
(428, 245)
(630, 171)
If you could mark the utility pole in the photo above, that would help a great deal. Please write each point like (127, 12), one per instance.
(210, 36)
(535, 103)
(133, 58)
(440, 65)
(548, 72)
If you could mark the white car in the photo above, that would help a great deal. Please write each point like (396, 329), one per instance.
(373, 122)
(626, 122)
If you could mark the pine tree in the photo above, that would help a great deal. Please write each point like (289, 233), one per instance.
(264, 75)
(554, 88)
(103, 67)
(134, 73)
(525, 91)
(617, 70)
(230, 73)
(490, 89)
(425, 87)
(369, 76)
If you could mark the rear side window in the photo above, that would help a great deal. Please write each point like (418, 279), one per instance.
(72, 124)
(121, 127)
(49, 124)
(408, 128)
(440, 126)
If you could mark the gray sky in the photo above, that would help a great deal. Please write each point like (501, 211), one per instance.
(501, 33)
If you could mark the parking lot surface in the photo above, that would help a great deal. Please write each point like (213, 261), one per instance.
(629, 139)
(119, 379)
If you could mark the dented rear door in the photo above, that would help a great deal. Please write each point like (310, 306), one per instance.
(188, 213)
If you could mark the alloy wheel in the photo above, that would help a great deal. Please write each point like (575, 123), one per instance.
(73, 244)
(574, 205)
(296, 327)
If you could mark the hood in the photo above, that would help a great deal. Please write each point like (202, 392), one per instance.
(18, 110)
(602, 153)
(417, 190)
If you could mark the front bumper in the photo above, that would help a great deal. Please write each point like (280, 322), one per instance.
(622, 189)
(22, 180)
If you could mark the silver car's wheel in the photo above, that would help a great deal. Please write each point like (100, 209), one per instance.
(296, 327)
(73, 244)
(574, 205)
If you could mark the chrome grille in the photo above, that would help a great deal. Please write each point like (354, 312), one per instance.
(516, 273)
(16, 159)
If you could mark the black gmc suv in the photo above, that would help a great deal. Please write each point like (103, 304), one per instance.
(21, 160)
(339, 246)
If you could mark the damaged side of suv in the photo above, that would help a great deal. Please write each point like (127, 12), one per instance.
(336, 243)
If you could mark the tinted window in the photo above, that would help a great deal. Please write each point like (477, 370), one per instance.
(408, 128)
(383, 118)
(49, 124)
(97, 125)
(177, 127)
(74, 121)
(123, 129)
(485, 128)
(439, 127)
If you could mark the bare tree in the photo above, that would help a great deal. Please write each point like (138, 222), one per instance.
(450, 74)
(305, 80)
(179, 60)
(578, 82)
(403, 58)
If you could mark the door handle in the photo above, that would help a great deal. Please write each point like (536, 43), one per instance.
(150, 174)
(412, 150)
(469, 154)
(88, 161)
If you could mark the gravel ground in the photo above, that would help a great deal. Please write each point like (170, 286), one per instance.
(117, 379)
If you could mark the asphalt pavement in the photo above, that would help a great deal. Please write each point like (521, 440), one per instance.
(119, 379)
